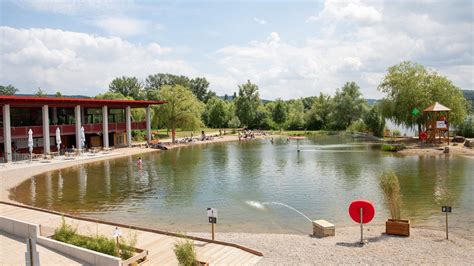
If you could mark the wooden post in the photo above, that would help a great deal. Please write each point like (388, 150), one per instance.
(30, 247)
(361, 227)
(447, 225)
(213, 230)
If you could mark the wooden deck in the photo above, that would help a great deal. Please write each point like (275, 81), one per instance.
(159, 246)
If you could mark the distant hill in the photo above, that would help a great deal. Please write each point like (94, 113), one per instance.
(469, 95)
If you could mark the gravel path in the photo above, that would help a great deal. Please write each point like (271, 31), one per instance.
(424, 246)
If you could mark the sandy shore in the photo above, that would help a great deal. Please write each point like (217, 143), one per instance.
(422, 247)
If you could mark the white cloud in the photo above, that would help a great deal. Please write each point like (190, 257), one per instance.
(75, 7)
(260, 21)
(77, 63)
(123, 26)
(352, 10)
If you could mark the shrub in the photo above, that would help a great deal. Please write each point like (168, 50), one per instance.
(396, 133)
(466, 129)
(68, 234)
(185, 253)
(357, 126)
(391, 188)
(393, 148)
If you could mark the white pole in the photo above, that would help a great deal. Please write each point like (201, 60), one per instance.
(361, 227)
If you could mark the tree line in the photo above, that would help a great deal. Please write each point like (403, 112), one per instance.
(190, 103)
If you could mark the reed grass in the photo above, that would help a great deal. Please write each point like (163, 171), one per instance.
(391, 188)
(185, 253)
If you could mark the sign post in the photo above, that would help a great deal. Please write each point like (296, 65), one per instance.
(117, 234)
(446, 209)
(362, 212)
(212, 217)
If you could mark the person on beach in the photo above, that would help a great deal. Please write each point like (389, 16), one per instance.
(271, 140)
(139, 162)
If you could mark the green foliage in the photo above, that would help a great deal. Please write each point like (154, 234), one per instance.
(396, 133)
(262, 119)
(40, 93)
(199, 87)
(318, 116)
(8, 90)
(246, 103)
(391, 189)
(348, 106)
(128, 87)
(357, 126)
(374, 121)
(109, 95)
(138, 135)
(217, 113)
(234, 122)
(67, 234)
(466, 129)
(185, 253)
(58, 94)
(296, 114)
(279, 113)
(410, 85)
(182, 110)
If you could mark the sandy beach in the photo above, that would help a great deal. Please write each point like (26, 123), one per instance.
(424, 246)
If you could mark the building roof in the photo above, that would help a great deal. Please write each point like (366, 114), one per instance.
(436, 107)
(33, 101)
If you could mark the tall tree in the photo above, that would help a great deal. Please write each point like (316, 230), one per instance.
(199, 87)
(246, 103)
(296, 114)
(217, 113)
(8, 90)
(182, 109)
(318, 116)
(410, 85)
(374, 121)
(40, 93)
(348, 106)
(127, 86)
(279, 113)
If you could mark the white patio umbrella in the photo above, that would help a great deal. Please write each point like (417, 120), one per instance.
(30, 142)
(58, 138)
(83, 138)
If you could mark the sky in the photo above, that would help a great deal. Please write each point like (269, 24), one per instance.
(290, 49)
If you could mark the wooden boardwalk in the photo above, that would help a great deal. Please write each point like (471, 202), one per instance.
(159, 246)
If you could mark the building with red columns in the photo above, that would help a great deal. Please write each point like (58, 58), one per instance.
(106, 122)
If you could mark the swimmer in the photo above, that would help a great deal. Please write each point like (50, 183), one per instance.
(139, 162)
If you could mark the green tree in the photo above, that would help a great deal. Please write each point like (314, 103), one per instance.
(348, 106)
(199, 87)
(40, 93)
(216, 113)
(374, 121)
(263, 118)
(58, 94)
(410, 85)
(318, 116)
(296, 114)
(279, 113)
(182, 109)
(109, 95)
(128, 87)
(246, 103)
(8, 90)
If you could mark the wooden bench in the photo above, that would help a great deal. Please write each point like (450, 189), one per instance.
(323, 228)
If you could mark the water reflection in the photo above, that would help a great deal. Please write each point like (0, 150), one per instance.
(172, 189)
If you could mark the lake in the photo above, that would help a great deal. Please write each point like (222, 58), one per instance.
(173, 188)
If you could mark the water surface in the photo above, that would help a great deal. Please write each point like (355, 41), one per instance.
(173, 188)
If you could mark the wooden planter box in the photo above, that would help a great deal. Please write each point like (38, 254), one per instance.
(397, 227)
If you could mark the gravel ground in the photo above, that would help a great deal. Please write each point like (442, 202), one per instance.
(424, 246)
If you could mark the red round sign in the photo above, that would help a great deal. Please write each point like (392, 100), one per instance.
(368, 211)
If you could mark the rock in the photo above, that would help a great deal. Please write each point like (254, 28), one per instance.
(459, 139)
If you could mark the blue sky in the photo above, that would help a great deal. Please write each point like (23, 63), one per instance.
(290, 49)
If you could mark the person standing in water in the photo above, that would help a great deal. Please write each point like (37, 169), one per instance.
(139, 162)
